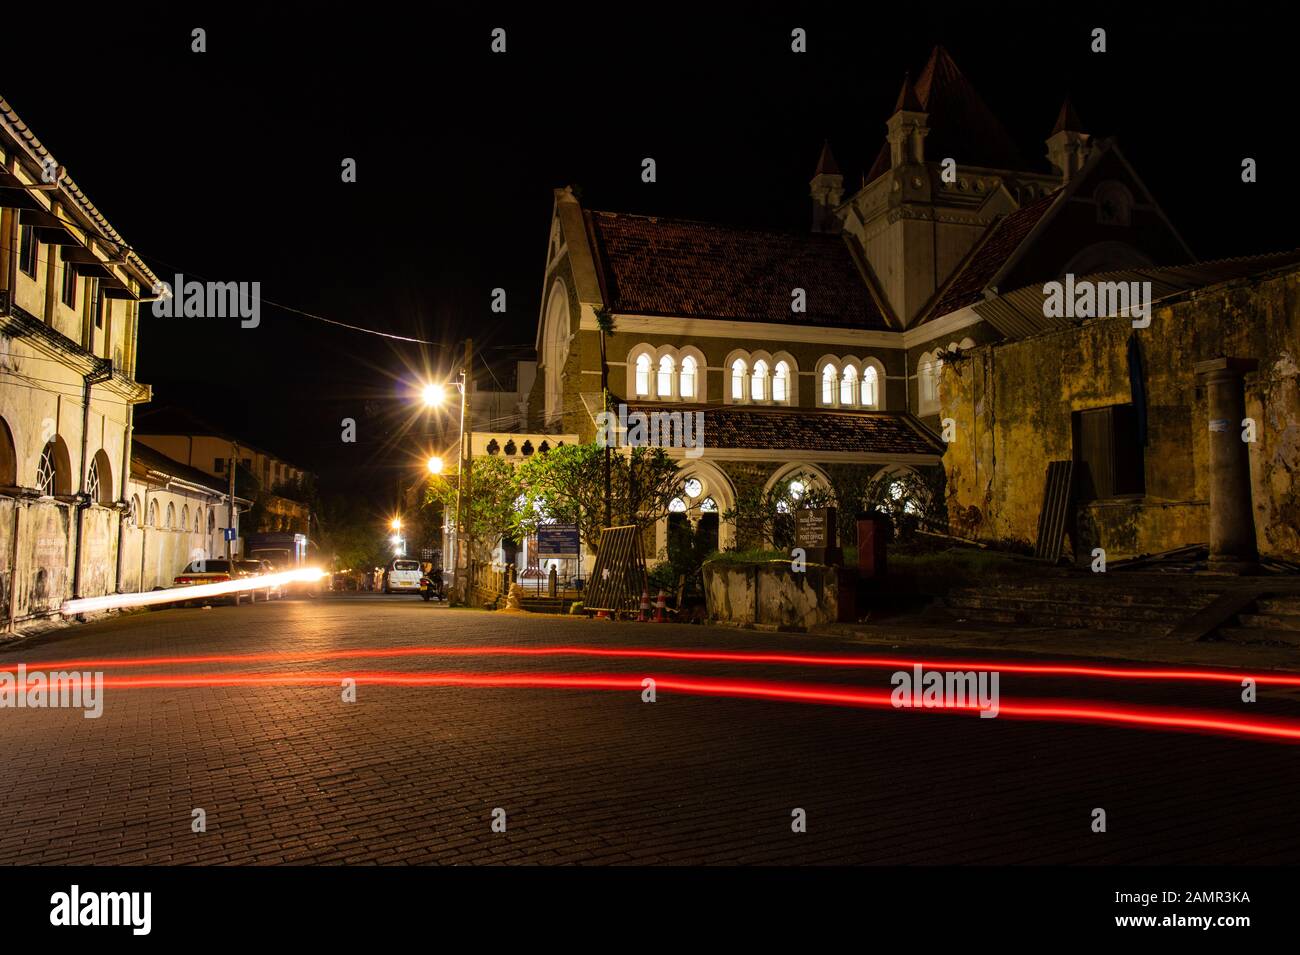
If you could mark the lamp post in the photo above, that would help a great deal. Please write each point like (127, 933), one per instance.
(435, 395)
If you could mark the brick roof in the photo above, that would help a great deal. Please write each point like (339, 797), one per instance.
(796, 429)
(967, 287)
(678, 267)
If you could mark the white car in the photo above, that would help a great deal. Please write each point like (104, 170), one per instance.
(402, 577)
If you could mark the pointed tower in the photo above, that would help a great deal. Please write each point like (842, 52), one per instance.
(906, 130)
(1068, 146)
(827, 191)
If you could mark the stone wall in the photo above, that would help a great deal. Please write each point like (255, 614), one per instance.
(1012, 405)
(771, 592)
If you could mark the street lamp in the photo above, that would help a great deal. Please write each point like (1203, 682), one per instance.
(434, 395)
(435, 465)
(396, 524)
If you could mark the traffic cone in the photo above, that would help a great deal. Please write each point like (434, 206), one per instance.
(645, 607)
(659, 608)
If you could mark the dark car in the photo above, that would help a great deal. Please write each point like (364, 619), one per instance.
(208, 570)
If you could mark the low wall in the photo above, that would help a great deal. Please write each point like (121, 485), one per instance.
(771, 592)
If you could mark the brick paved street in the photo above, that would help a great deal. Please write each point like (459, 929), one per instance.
(292, 774)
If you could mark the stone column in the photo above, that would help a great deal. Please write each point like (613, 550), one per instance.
(1232, 519)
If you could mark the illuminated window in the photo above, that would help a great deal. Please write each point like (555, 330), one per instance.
(849, 386)
(709, 505)
(688, 377)
(643, 375)
(781, 382)
(692, 487)
(758, 383)
(870, 387)
(666, 376)
(828, 385)
(738, 375)
(677, 506)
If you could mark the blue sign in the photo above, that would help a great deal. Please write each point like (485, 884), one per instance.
(229, 534)
(557, 540)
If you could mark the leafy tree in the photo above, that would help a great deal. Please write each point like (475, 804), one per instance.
(769, 515)
(567, 484)
(492, 502)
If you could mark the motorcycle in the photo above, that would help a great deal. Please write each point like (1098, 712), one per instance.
(431, 587)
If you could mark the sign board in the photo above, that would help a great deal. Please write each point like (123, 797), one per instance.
(815, 527)
(557, 540)
(228, 533)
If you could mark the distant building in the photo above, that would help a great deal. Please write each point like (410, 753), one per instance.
(70, 293)
(178, 515)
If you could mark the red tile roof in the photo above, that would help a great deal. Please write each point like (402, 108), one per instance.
(807, 429)
(678, 267)
(969, 284)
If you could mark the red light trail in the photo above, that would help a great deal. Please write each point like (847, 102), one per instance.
(1160, 718)
(703, 656)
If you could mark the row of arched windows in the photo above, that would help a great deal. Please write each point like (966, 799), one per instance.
(666, 373)
(762, 379)
(168, 522)
(54, 476)
(850, 383)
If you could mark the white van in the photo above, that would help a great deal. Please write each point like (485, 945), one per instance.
(402, 577)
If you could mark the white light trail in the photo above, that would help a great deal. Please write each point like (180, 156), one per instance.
(189, 592)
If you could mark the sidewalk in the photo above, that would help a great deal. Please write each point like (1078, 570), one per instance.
(934, 629)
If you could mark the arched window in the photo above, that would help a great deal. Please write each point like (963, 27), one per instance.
(212, 522)
(758, 383)
(927, 371)
(153, 514)
(849, 387)
(739, 372)
(666, 370)
(555, 348)
(828, 385)
(8, 456)
(185, 518)
(870, 387)
(688, 377)
(781, 382)
(135, 516)
(198, 520)
(54, 469)
(643, 375)
(171, 516)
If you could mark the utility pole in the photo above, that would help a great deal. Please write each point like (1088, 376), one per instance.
(230, 502)
(464, 481)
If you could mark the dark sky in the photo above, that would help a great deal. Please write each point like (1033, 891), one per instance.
(225, 165)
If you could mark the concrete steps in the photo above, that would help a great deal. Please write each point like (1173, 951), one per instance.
(546, 604)
(1112, 604)
(1274, 619)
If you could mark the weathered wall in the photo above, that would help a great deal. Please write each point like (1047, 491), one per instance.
(1012, 406)
(773, 593)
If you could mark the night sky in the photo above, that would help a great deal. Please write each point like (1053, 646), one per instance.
(226, 165)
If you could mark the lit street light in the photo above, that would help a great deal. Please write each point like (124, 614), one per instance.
(434, 395)
(435, 465)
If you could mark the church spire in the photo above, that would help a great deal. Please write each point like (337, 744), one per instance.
(907, 128)
(827, 190)
(1068, 146)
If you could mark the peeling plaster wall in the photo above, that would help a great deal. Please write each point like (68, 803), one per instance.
(1012, 406)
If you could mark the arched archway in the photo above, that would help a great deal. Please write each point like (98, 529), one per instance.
(54, 469)
(8, 456)
(99, 479)
(555, 348)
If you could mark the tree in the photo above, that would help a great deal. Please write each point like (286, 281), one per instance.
(490, 509)
(567, 485)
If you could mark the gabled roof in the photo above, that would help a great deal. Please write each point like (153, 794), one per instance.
(738, 427)
(173, 419)
(682, 268)
(145, 458)
(988, 257)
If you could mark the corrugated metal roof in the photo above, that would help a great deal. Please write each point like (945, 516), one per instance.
(1019, 314)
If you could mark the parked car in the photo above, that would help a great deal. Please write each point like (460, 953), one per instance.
(261, 568)
(209, 570)
(402, 576)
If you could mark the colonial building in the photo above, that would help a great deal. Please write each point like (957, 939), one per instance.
(821, 353)
(70, 289)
